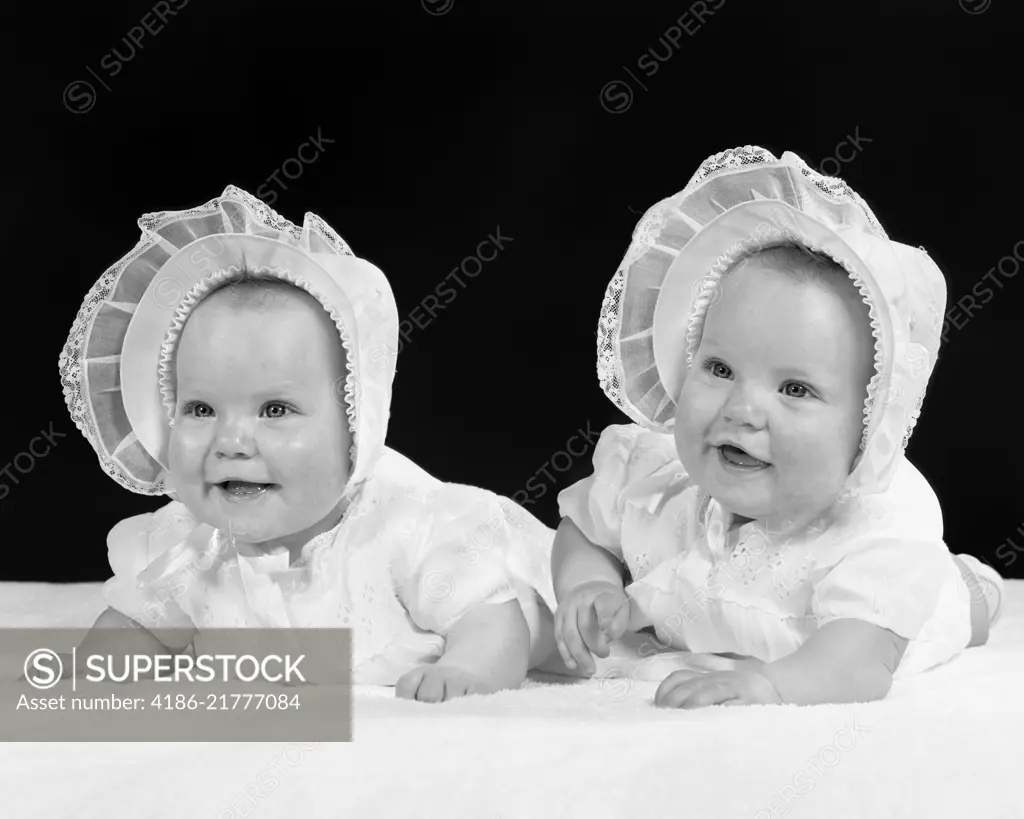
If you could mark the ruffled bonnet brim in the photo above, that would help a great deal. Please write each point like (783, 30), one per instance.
(115, 366)
(740, 201)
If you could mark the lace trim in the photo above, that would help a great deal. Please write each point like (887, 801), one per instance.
(729, 160)
(610, 372)
(259, 211)
(74, 379)
(610, 368)
(838, 191)
(241, 213)
(609, 364)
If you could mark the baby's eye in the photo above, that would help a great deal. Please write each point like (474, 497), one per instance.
(717, 368)
(795, 390)
(275, 409)
(197, 409)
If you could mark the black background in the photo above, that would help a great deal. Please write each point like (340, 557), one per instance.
(445, 127)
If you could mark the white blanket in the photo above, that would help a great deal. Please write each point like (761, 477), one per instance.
(943, 744)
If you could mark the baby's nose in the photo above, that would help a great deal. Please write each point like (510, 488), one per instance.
(235, 439)
(744, 406)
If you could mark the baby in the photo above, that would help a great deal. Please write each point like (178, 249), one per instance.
(776, 345)
(234, 361)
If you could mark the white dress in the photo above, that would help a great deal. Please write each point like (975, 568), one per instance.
(411, 556)
(876, 558)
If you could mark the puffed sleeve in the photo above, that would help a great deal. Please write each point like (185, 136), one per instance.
(890, 581)
(455, 559)
(132, 545)
(887, 562)
(595, 504)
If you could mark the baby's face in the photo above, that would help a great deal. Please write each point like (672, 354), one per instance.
(770, 415)
(260, 433)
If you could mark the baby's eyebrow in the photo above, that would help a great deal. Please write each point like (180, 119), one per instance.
(801, 374)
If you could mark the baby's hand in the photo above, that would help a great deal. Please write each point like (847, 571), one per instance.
(695, 689)
(594, 615)
(440, 683)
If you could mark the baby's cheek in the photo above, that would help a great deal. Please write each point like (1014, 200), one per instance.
(321, 464)
(812, 464)
(186, 450)
(696, 410)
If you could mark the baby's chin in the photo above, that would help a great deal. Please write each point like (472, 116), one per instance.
(744, 513)
(249, 526)
(270, 530)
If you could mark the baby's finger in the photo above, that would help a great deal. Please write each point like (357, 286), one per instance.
(713, 691)
(699, 692)
(432, 688)
(678, 696)
(615, 623)
(593, 637)
(454, 689)
(561, 624)
(671, 683)
(579, 656)
(408, 684)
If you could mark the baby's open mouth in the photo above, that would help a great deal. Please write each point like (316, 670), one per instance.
(244, 489)
(735, 456)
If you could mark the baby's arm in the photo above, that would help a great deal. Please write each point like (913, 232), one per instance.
(593, 609)
(575, 561)
(487, 650)
(114, 630)
(116, 635)
(132, 546)
(843, 661)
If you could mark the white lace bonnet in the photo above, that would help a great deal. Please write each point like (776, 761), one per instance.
(738, 202)
(116, 365)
